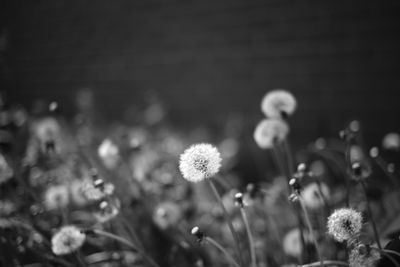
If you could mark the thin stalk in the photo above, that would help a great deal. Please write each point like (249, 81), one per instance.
(218, 246)
(127, 243)
(348, 171)
(376, 236)
(286, 172)
(228, 220)
(250, 237)
(387, 253)
(326, 263)
(308, 222)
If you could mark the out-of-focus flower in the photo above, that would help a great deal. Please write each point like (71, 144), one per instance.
(344, 224)
(278, 103)
(76, 193)
(356, 153)
(363, 256)
(270, 131)
(391, 141)
(67, 240)
(56, 197)
(292, 244)
(96, 192)
(108, 211)
(6, 172)
(7, 207)
(166, 215)
(109, 153)
(312, 195)
(199, 162)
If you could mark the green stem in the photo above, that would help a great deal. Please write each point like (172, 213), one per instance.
(370, 215)
(234, 234)
(250, 237)
(326, 263)
(310, 229)
(218, 246)
(127, 243)
(387, 253)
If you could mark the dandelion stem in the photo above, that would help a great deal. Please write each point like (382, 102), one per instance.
(250, 237)
(387, 253)
(218, 246)
(234, 234)
(370, 215)
(308, 222)
(127, 243)
(326, 263)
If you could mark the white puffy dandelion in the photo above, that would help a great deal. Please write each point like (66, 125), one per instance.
(344, 224)
(56, 196)
(269, 132)
(278, 103)
(314, 195)
(199, 162)
(67, 240)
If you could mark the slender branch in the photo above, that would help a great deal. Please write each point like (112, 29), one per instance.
(308, 222)
(250, 237)
(370, 215)
(234, 234)
(326, 263)
(218, 246)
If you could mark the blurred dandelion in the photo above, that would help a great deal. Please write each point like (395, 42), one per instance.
(278, 103)
(270, 132)
(67, 240)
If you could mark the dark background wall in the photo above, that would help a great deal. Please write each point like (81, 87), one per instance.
(209, 58)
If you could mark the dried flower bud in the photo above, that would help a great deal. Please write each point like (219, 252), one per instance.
(239, 200)
(197, 233)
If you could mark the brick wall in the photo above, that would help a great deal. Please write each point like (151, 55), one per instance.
(212, 57)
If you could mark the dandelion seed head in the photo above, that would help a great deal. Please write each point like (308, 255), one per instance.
(344, 224)
(107, 211)
(167, 214)
(199, 162)
(67, 240)
(361, 256)
(91, 192)
(278, 104)
(56, 196)
(109, 153)
(270, 131)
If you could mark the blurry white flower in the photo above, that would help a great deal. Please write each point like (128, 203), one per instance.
(312, 195)
(109, 153)
(56, 196)
(6, 208)
(270, 131)
(362, 256)
(344, 224)
(75, 188)
(278, 103)
(92, 192)
(292, 244)
(48, 131)
(67, 240)
(167, 214)
(356, 153)
(107, 211)
(391, 141)
(6, 172)
(199, 162)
